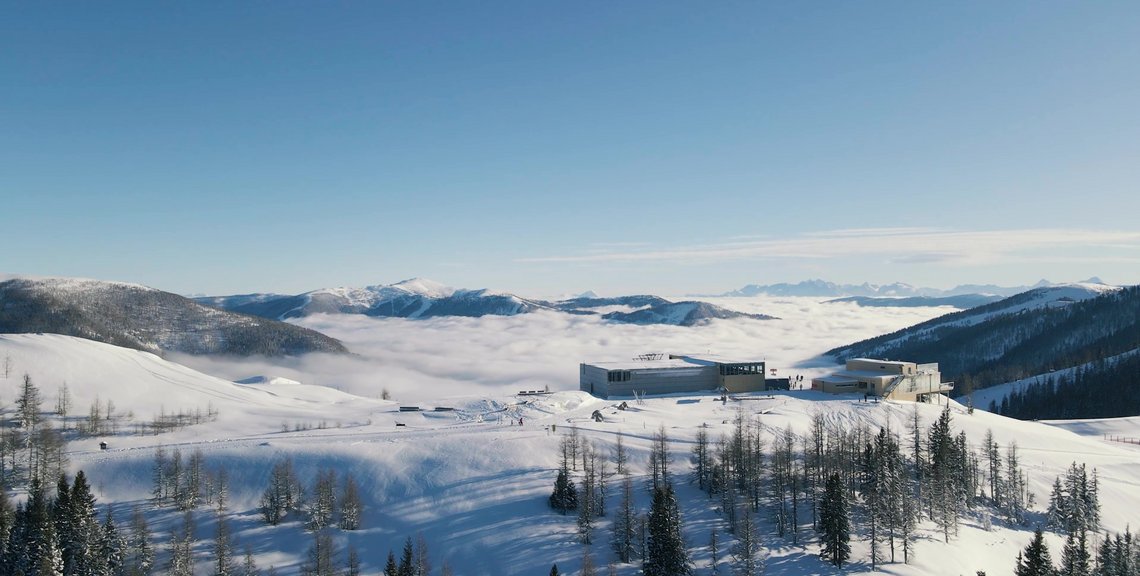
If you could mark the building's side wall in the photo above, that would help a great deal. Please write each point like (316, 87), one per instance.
(876, 366)
(593, 380)
(928, 382)
(743, 383)
(666, 381)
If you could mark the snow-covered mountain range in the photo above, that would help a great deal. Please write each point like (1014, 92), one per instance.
(419, 298)
(825, 289)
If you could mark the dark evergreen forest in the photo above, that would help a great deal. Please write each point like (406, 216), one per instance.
(1013, 346)
(1104, 389)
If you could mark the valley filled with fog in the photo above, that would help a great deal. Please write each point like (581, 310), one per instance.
(417, 360)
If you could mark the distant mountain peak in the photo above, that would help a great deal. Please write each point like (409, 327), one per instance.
(821, 288)
(425, 287)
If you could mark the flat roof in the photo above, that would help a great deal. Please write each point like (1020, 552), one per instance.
(635, 364)
(677, 361)
(887, 362)
(864, 374)
(834, 379)
(719, 359)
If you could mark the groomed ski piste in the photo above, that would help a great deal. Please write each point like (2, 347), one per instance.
(463, 473)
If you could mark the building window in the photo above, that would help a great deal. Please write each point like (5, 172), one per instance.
(741, 369)
(617, 376)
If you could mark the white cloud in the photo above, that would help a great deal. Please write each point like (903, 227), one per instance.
(422, 359)
(907, 245)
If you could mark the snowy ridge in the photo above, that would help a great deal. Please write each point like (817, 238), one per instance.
(1053, 296)
(419, 298)
(823, 288)
(147, 319)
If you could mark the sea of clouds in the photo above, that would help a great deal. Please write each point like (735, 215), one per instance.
(416, 360)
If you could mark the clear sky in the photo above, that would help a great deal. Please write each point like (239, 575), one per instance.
(554, 147)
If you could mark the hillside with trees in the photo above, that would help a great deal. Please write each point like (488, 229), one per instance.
(1014, 339)
(146, 319)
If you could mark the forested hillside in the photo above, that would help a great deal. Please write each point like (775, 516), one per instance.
(991, 344)
(146, 319)
(1104, 389)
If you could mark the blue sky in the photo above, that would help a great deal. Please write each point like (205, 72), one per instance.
(543, 148)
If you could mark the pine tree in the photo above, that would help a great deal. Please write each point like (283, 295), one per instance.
(1035, 561)
(85, 531)
(834, 523)
(565, 495)
(140, 552)
(390, 567)
(1015, 500)
(993, 461)
(1055, 514)
(407, 565)
(1075, 557)
(112, 553)
(586, 504)
(945, 476)
(553, 570)
(7, 518)
(28, 404)
(665, 547)
(872, 498)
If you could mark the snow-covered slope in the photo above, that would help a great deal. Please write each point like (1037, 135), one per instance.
(474, 483)
(141, 386)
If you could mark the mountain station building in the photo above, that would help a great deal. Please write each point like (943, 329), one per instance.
(886, 379)
(656, 374)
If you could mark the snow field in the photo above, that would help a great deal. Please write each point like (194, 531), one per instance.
(476, 486)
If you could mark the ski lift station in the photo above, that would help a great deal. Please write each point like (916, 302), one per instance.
(656, 374)
(886, 379)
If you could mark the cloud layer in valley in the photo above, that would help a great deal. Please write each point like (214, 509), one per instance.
(417, 360)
